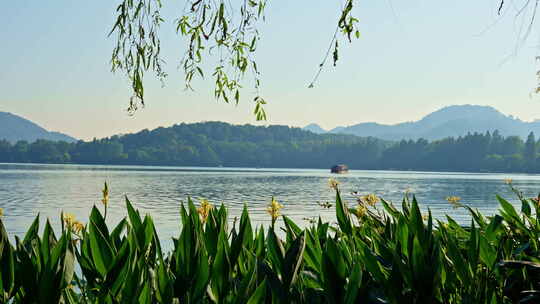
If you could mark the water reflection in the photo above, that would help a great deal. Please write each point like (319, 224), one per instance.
(29, 189)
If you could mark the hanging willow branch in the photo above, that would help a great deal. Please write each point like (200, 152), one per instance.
(137, 47)
(213, 28)
(527, 13)
(211, 25)
(347, 24)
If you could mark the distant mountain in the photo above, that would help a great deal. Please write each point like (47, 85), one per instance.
(449, 121)
(336, 130)
(315, 128)
(14, 128)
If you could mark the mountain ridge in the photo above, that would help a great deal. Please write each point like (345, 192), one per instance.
(315, 128)
(16, 128)
(449, 121)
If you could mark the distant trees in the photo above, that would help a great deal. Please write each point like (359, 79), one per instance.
(216, 143)
(471, 153)
(530, 153)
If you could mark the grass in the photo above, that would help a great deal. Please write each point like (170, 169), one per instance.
(377, 253)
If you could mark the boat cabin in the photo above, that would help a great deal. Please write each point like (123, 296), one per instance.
(339, 169)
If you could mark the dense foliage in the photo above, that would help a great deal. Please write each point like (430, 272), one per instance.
(373, 255)
(216, 143)
(470, 153)
(207, 144)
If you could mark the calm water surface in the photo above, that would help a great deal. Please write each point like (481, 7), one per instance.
(28, 189)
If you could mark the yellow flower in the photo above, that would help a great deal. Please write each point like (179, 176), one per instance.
(68, 219)
(332, 183)
(77, 226)
(273, 209)
(1, 212)
(425, 217)
(361, 210)
(508, 181)
(204, 210)
(72, 223)
(371, 199)
(105, 191)
(454, 200)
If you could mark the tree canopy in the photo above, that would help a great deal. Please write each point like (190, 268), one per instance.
(217, 143)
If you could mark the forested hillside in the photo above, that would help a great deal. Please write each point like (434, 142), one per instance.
(222, 144)
(208, 144)
(471, 153)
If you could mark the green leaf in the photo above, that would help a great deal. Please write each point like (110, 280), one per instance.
(293, 231)
(7, 265)
(493, 228)
(342, 214)
(32, 232)
(99, 222)
(69, 263)
(221, 268)
(488, 253)
(259, 295)
(334, 272)
(313, 251)
(134, 216)
(102, 253)
(390, 208)
(293, 260)
(525, 207)
(372, 264)
(275, 249)
(116, 276)
(202, 276)
(46, 243)
(354, 284)
(507, 207)
(243, 239)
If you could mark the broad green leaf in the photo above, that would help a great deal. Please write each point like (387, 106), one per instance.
(293, 260)
(102, 253)
(259, 295)
(342, 215)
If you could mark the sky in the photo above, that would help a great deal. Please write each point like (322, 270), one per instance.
(413, 57)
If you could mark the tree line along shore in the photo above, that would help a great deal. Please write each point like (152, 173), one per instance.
(222, 144)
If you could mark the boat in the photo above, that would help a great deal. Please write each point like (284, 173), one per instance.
(339, 169)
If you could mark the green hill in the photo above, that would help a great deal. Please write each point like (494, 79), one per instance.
(14, 128)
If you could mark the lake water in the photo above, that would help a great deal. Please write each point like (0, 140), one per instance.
(29, 189)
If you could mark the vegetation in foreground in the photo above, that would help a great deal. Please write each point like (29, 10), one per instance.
(372, 255)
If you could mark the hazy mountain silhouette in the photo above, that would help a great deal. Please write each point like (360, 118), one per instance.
(14, 128)
(449, 121)
(315, 128)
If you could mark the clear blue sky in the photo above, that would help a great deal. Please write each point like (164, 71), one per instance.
(414, 57)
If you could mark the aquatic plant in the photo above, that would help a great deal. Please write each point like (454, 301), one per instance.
(376, 253)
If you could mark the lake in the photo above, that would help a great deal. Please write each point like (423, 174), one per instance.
(29, 189)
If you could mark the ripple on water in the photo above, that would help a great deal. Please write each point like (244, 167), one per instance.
(26, 190)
